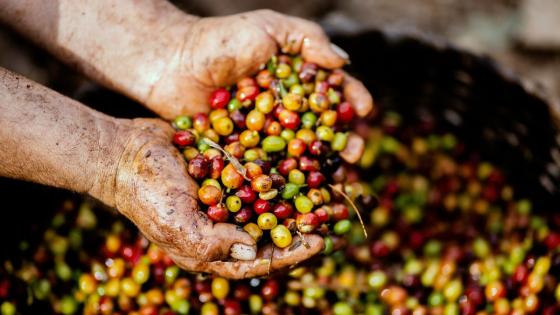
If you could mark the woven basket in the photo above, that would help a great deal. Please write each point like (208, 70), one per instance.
(469, 95)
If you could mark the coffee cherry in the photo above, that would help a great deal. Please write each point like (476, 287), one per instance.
(345, 112)
(253, 170)
(318, 102)
(198, 167)
(288, 134)
(321, 86)
(211, 153)
(265, 102)
(342, 227)
(201, 122)
(261, 183)
(183, 138)
(283, 210)
(334, 96)
(267, 221)
(232, 307)
(308, 120)
(273, 144)
(190, 153)
(315, 179)
(290, 191)
(315, 196)
(285, 166)
(308, 72)
(270, 290)
(243, 215)
(249, 138)
(289, 119)
(494, 290)
(264, 79)
(233, 203)
(255, 120)
(339, 141)
(281, 236)
(234, 105)
(209, 308)
(87, 283)
(283, 71)
(217, 213)
(303, 204)
(246, 194)
(209, 195)
(328, 118)
(342, 308)
(129, 287)
(241, 292)
(340, 212)
(231, 178)
(307, 164)
(306, 135)
(277, 180)
(238, 119)
(220, 288)
(307, 222)
(219, 98)
(141, 273)
(216, 166)
(316, 147)
(248, 93)
(245, 82)
(223, 126)
(296, 147)
(296, 177)
(261, 206)
(292, 102)
(322, 215)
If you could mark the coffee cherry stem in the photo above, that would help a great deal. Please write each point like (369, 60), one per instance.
(235, 162)
(353, 205)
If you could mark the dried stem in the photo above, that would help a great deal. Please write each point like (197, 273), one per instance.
(353, 206)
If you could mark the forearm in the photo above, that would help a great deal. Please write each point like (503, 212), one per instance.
(50, 139)
(124, 45)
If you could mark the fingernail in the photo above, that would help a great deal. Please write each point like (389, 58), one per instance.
(243, 252)
(340, 52)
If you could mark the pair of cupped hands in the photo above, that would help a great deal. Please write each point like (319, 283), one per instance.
(151, 185)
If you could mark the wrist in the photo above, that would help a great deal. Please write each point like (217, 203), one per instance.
(113, 136)
(125, 145)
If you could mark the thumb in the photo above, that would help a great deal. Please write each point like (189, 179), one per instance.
(239, 243)
(269, 259)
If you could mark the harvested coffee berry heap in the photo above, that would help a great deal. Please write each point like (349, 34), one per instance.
(263, 155)
(449, 235)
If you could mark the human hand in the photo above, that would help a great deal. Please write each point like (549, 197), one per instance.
(166, 59)
(152, 188)
(218, 51)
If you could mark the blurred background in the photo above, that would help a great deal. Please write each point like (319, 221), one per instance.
(522, 35)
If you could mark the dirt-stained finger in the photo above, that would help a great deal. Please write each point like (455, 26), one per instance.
(354, 148)
(357, 94)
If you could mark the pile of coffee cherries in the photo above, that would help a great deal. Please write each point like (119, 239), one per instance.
(263, 154)
(447, 235)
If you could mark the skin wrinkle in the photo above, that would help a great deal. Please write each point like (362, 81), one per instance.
(156, 61)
